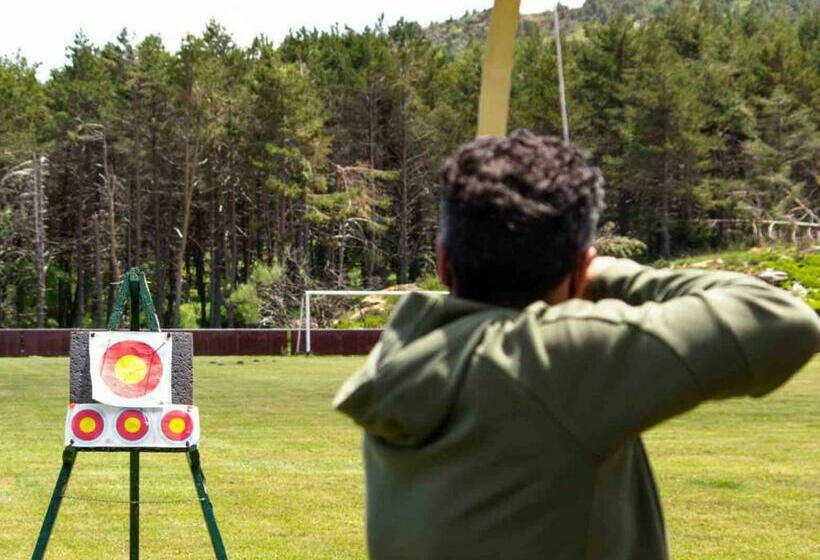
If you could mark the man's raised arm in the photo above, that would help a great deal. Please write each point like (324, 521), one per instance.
(659, 342)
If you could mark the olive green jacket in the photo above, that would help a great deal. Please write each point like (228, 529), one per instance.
(503, 434)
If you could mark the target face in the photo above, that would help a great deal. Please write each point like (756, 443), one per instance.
(177, 425)
(132, 425)
(111, 427)
(131, 369)
(87, 425)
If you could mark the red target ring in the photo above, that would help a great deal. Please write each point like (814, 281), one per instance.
(132, 425)
(131, 369)
(87, 425)
(177, 425)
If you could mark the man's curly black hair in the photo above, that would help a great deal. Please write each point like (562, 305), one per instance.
(517, 213)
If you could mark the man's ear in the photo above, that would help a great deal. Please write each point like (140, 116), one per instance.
(580, 278)
(444, 275)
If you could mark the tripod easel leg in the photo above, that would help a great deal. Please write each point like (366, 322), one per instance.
(205, 501)
(69, 456)
(134, 505)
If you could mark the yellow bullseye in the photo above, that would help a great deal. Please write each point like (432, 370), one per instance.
(132, 425)
(176, 425)
(130, 369)
(87, 425)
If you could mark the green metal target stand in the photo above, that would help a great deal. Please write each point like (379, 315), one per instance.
(134, 287)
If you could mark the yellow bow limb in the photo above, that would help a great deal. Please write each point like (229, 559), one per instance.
(494, 103)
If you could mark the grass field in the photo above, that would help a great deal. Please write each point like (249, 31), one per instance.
(739, 479)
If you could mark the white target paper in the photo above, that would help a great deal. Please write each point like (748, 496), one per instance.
(98, 425)
(130, 369)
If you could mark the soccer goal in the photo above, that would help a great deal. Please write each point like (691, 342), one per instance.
(304, 313)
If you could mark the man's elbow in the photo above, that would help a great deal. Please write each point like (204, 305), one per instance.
(792, 342)
(807, 330)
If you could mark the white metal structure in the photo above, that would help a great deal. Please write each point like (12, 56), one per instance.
(561, 88)
(304, 315)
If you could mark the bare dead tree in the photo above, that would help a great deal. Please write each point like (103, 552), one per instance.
(39, 197)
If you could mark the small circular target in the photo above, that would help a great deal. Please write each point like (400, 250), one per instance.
(132, 425)
(177, 425)
(87, 425)
(131, 369)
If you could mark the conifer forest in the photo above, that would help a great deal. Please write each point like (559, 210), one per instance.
(239, 176)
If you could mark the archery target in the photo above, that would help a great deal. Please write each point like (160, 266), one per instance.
(87, 425)
(177, 425)
(97, 425)
(131, 369)
(132, 425)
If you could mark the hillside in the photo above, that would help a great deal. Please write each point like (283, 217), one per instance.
(454, 34)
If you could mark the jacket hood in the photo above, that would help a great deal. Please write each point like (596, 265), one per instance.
(412, 377)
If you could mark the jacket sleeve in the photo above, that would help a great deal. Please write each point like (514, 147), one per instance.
(656, 343)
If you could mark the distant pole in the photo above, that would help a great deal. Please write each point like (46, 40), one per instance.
(561, 89)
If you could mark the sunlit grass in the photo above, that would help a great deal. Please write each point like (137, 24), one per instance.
(739, 479)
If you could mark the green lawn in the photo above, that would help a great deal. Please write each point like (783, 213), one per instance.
(740, 479)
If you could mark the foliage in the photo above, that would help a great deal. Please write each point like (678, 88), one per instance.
(802, 266)
(252, 301)
(609, 243)
(363, 322)
(317, 159)
(431, 283)
(188, 318)
(245, 301)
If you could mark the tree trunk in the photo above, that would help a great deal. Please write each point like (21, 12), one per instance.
(3, 286)
(260, 224)
(342, 246)
(160, 239)
(39, 241)
(404, 206)
(190, 159)
(665, 234)
(111, 187)
(80, 260)
(64, 306)
(79, 296)
(234, 261)
(19, 303)
(98, 277)
(137, 183)
(370, 241)
(270, 242)
(217, 251)
(199, 265)
(247, 244)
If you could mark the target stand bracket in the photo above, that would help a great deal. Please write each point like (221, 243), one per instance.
(135, 289)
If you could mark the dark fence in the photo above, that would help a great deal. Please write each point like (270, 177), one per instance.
(241, 342)
(34, 342)
(336, 341)
(210, 342)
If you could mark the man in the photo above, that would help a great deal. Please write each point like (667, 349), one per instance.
(503, 421)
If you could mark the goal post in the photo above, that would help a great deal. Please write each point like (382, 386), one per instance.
(304, 315)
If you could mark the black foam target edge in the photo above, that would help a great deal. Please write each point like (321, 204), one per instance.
(182, 368)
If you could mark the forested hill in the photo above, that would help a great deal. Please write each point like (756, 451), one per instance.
(239, 176)
(455, 34)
